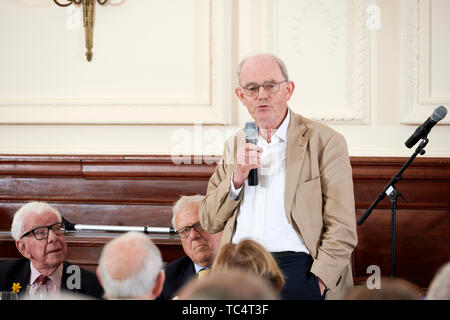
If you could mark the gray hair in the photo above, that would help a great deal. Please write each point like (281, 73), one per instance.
(140, 276)
(440, 285)
(31, 207)
(280, 63)
(183, 202)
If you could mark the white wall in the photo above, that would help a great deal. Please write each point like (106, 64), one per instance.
(162, 76)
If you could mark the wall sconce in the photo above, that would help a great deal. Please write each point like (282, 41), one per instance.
(88, 20)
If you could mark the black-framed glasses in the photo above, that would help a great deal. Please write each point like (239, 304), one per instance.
(186, 231)
(252, 89)
(41, 233)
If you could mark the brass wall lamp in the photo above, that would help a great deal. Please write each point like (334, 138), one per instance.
(88, 20)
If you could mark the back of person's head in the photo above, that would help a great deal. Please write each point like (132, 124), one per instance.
(440, 285)
(252, 257)
(130, 267)
(390, 289)
(34, 207)
(231, 284)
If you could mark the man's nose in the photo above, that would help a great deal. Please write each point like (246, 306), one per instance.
(262, 93)
(194, 234)
(51, 236)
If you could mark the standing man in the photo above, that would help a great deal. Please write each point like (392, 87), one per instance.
(303, 208)
(200, 246)
(38, 231)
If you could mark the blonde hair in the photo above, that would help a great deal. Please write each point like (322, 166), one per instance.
(250, 256)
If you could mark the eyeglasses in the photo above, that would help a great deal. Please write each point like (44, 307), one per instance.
(186, 231)
(252, 89)
(41, 233)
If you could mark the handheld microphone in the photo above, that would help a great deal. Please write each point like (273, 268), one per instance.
(251, 136)
(421, 132)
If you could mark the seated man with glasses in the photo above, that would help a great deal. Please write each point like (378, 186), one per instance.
(200, 246)
(38, 231)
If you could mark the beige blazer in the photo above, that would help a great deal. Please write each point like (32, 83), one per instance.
(319, 200)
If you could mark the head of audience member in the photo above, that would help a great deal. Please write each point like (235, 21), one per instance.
(230, 284)
(264, 89)
(251, 257)
(390, 289)
(38, 231)
(199, 245)
(440, 285)
(130, 267)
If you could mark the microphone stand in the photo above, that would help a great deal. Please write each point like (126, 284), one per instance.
(81, 227)
(393, 194)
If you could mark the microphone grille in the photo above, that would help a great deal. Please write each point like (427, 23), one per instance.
(439, 113)
(250, 126)
(251, 130)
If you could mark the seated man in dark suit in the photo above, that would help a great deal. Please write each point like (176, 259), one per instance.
(38, 231)
(200, 246)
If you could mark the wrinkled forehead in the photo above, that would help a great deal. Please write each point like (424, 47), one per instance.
(260, 69)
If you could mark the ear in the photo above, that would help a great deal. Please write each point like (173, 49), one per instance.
(159, 283)
(240, 94)
(23, 249)
(290, 89)
(97, 272)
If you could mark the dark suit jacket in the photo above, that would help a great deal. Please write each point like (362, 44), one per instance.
(178, 273)
(19, 271)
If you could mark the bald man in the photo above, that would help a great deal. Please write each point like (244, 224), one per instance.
(130, 267)
(303, 209)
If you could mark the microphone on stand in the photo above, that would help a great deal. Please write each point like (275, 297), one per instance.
(251, 136)
(80, 227)
(422, 131)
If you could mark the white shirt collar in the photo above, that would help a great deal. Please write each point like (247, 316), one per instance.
(281, 132)
(198, 268)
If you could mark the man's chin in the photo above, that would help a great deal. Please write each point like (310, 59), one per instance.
(55, 258)
(202, 259)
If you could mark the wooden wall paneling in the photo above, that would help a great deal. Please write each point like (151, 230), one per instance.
(98, 213)
(423, 234)
(140, 190)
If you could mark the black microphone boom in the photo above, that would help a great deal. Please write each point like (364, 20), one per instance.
(251, 136)
(422, 131)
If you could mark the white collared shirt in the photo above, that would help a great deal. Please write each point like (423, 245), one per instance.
(199, 268)
(53, 284)
(262, 216)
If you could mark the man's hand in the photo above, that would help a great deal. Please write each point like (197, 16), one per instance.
(248, 157)
(322, 286)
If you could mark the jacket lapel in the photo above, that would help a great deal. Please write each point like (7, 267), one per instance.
(297, 141)
(64, 276)
(22, 276)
